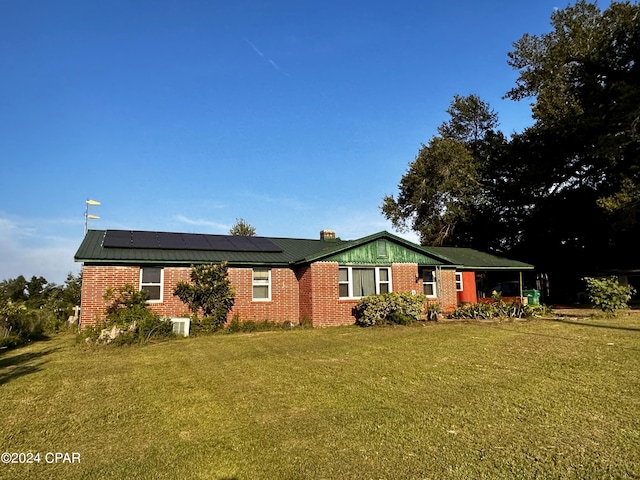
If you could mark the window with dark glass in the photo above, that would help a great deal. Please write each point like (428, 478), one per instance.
(459, 281)
(429, 283)
(151, 282)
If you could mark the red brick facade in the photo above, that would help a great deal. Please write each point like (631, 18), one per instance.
(284, 305)
(447, 296)
(310, 293)
(319, 296)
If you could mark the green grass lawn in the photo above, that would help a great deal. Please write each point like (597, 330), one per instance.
(516, 399)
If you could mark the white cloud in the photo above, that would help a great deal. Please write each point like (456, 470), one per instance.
(198, 222)
(25, 251)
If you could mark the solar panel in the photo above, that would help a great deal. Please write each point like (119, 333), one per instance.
(145, 240)
(219, 242)
(195, 242)
(117, 239)
(187, 241)
(264, 244)
(241, 244)
(171, 241)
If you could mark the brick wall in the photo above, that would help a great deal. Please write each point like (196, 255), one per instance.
(305, 293)
(403, 277)
(448, 298)
(95, 281)
(311, 292)
(284, 305)
(171, 306)
(319, 296)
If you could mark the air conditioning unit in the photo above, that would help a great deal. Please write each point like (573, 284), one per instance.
(181, 325)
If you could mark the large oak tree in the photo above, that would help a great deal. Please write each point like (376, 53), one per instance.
(564, 193)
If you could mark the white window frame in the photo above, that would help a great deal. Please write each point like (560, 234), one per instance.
(459, 284)
(261, 283)
(377, 280)
(434, 283)
(153, 284)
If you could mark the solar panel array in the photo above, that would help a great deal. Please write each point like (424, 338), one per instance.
(187, 241)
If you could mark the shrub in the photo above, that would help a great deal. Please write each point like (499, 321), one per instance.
(210, 293)
(239, 326)
(395, 307)
(497, 309)
(200, 325)
(432, 312)
(608, 294)
(20, 324)
(400, 318)
(129, 319)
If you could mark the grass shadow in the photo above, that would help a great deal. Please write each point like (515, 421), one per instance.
(569, 321)
(21, 364)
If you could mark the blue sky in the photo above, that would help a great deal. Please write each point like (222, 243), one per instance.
(186, 115)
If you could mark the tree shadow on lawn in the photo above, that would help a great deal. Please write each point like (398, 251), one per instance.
(569, 321)
(20, 364)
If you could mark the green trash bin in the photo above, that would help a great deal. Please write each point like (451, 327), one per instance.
(533, 296)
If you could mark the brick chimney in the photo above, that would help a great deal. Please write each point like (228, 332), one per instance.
(327, 234)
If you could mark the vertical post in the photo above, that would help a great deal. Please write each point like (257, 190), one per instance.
(521, 295)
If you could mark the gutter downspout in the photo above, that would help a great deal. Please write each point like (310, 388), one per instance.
(439, 287)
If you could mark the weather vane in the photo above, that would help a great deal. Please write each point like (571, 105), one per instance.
(87, 216)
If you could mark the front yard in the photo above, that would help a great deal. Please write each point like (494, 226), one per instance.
(546, 398)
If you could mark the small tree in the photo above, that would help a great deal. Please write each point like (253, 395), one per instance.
(127, 312)
(242, 228)
(608, 294)
(210, 293)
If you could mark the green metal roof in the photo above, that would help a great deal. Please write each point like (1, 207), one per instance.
(294, 251)
(91, 250)
(475, 260)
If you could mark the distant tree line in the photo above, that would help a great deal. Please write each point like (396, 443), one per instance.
(564, 194)
(30, 309)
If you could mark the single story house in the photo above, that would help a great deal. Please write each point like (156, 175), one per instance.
(279, 279)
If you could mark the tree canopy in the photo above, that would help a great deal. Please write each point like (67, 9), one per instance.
(242, 228)
(565, 192)
(32, 308)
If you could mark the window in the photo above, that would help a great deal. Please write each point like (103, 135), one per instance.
(343, 282)
(382, 248)
(458, 281)
(261, 284)
(384, 281)
(429, 283)
(356, 282)
(151, 279)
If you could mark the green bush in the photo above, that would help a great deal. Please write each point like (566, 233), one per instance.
(497, 309)
(395, 307)
(608, 294)
(209, 293)
(247, 326)
(20, 324)
(432, 312)
(398, 318)
(127, 313)
(203, 325)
